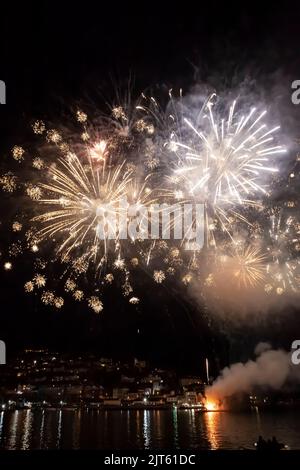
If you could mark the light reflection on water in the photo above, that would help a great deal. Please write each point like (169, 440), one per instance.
(189, 429)
(42, 430)
(147, 429)
(175, 427)
(13, 425)
(1, 425)
(27, 430)
(211, 422)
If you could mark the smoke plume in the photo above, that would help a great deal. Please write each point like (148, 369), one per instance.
(271, 369)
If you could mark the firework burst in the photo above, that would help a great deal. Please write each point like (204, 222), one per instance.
(245, 267)
(74, 209)
(223, 161)
(283, 247)
(77, 193)
(79, 215)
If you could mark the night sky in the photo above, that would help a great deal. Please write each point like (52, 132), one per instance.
(55, 54)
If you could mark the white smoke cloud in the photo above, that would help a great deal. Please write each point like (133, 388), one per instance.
(271, 369)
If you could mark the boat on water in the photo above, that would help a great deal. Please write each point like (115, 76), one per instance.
(269, 445)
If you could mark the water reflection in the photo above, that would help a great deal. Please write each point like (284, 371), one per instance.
(27, 430)
(138, 426)
(158, 430)
(42, 430)
(192, 425)
(13, 430)
(211, 420)
(175, 427)
(1, 424)
(59, 426)
(128, 428)
(150, 429)
(146, 429)
(76, 430)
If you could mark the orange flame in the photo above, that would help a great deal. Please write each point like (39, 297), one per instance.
(211, 405)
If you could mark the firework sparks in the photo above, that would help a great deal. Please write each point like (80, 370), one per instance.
(47, 297)
(127, 118)
(244, 267)
(76, 201)
(95, 304)
(227, 160)
(127, 289)
(38, 127)
(38, 163)
(58, 302)
(78, 198)
(8, 182)
(39, 280)
(221, 160)
(70, 285)
(7, 266)
(283, 269)
(85, 136)
(224, 161)
(78, 295)
(53, 136)
(99, 151)
(15, 249)
(282, 277)
(34, 192)
(119, 263)
(119, 113)
(109, 278)
(18, 153)
(187, 278)
(29, 286)
(16, 226)
(159, 276)
(81, 116)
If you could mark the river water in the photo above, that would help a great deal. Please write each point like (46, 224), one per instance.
(144, 429)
